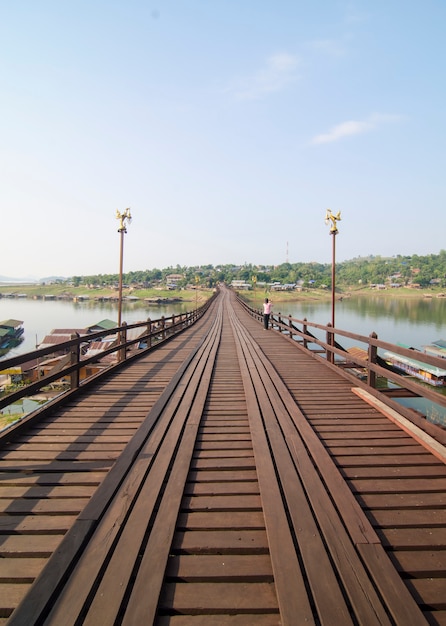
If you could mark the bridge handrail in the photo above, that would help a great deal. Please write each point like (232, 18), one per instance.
(374, 364)
(157, 331)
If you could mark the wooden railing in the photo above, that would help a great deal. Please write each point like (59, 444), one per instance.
(365, 366)
(75, 369)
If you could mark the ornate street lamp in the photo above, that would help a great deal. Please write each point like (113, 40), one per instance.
(123, 219)
(254, 284)
(333, 219)
(197, 280)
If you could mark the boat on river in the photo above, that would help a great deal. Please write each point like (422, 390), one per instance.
(430, 374)
(11, 332)
(436, 348)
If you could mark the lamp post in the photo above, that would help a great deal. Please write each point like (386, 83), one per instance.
(123, 219)
(197, 280)
(333, 219)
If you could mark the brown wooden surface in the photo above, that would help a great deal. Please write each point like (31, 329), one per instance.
(228, 478)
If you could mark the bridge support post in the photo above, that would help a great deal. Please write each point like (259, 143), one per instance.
(122, 340)
(330, 343)
(75, 353)
(373, 352)
(304, 328)
(290, 324)
(149, 332)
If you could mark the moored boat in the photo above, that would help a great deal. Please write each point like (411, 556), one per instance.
(430, 374)
(11, 332)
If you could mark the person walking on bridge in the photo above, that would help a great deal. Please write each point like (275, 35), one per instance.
(267, 306)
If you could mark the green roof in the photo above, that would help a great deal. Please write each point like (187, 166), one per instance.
(104, 324)
(11, 323)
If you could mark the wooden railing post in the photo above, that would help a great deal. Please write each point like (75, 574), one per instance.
(75, 354)
(330, 342)
(122, 341)
(373, 352)
(290, 323)
(149, 332)
(163, 327)
(279, 320)
(304, 328)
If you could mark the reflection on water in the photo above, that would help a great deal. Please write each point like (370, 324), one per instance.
(40, 317)
(415, 322)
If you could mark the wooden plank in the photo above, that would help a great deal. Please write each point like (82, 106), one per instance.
(39, 596)
(284, 559)
(20, 570)
(222, 503)
(121, 556)
(47, 478)
(222, 597)
(225, 488)
(220, 568)
(423, 501)
(213, 520)
(246, 619)
(420, 563)
(33, 546)
(36, 524)
(429, 591)
(46, 506)
(326, 591)
(413, 538)
(433, 446)
(217, 541)
(215, 464)
(50, 491)
(402, 518)
(155, 557)
(398, 600)
(10, 596)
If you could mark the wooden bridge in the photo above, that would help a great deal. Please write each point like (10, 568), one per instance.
(227, 477)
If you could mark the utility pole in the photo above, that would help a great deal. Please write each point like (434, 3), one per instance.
(123, 219)
(333, 219)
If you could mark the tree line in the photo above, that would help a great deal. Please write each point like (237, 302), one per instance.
(361, 271)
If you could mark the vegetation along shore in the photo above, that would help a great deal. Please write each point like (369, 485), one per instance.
(398, 276)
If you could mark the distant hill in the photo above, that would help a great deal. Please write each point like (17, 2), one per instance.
(15, 281)
(29, 280)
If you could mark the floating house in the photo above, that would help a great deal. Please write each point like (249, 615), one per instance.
(436, 348)
(430, 374)
(11, 332)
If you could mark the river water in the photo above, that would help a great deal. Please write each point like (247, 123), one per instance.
(415, 322)
(40, 317)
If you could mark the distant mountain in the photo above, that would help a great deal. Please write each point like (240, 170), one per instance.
(15, 281)
(29, 280)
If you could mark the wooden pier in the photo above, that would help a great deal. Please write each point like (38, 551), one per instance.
(226, 477)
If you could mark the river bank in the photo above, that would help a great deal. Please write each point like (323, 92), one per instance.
(83, 293)
(62, 292)
(321, 295)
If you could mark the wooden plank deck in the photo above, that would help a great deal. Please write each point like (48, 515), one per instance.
(228, 478)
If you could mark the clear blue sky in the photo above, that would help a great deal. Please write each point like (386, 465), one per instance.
(228, 127)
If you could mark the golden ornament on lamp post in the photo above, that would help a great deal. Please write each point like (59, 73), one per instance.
(123, 218)
(332, 219)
